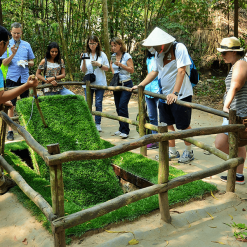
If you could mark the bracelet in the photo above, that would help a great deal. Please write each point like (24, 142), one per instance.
(100, 66)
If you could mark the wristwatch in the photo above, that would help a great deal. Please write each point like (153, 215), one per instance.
(176, 93)
(100, 66)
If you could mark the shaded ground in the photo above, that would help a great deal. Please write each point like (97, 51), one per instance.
(191, 223)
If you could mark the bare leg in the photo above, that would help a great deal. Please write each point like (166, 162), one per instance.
(171, 142)
(187, 143)
(11, 114)
(221, 142)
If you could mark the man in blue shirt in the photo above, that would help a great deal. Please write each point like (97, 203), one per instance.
(18, 74)
(5, 182)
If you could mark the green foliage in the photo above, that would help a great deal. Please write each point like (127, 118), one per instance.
(86, 183)
(130, 20)
(214, 87)
(240, 230)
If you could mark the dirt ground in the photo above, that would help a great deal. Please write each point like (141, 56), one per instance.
(196, 223)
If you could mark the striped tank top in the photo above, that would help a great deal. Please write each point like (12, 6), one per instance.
(239, 102)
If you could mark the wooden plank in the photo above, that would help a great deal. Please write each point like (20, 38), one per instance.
(137, 181)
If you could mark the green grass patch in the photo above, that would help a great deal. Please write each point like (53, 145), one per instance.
(86, 183)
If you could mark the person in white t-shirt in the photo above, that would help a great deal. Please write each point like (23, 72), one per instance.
(124, 66)
(97, 64)
(173, 70)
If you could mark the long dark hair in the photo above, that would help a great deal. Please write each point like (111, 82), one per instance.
(149, 54)
(98, 48)
(48, 55)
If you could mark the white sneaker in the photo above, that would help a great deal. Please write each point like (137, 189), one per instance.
(117, 133)
(98, 127)
(123, 135)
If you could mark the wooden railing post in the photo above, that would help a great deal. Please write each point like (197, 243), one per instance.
(38, 106)
(88, 92)
(57, 193)
(142, 113)
(164, 174)
(233, 153)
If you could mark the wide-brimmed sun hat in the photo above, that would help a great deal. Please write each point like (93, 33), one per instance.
(230, 44)
(158, 37)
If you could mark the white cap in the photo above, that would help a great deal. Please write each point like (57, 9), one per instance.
(158, 37)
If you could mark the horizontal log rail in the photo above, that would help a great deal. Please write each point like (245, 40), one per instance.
(204, 146)
(40, 150)
(125, 120)
(106, 153)
(121, 201)
(191, 105)
(161, 96)
(41, 203)
(47, 85)
(118, 118)
(14, 118)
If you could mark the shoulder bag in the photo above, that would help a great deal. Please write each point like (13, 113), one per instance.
(115, 79)
(91, 76)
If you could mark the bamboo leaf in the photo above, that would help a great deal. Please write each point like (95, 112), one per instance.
(133, 242)
(210, 215)
(213, 196)
(218, 242)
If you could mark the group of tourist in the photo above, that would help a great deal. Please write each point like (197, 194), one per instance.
(168, 68)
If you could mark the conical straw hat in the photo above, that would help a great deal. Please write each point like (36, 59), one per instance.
(158, 37)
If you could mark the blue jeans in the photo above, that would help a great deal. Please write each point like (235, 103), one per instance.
(122, 99)
(99, 93)
(63, 91)
(152, 107)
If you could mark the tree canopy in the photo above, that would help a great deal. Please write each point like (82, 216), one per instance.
(70, 22)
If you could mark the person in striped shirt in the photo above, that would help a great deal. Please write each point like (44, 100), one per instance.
(236, 95)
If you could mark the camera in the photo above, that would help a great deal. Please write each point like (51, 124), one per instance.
(84, 57)
(17, 44)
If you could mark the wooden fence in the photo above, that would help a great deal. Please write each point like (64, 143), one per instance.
(54, 159)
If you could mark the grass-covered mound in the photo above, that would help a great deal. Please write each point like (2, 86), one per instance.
(71, 125)
(86, 182)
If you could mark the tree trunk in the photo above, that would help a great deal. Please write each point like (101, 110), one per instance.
(1, 14)
(236, 18)
(105, 27)
(64, 45)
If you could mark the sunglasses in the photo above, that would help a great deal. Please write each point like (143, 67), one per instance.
(223, 53)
